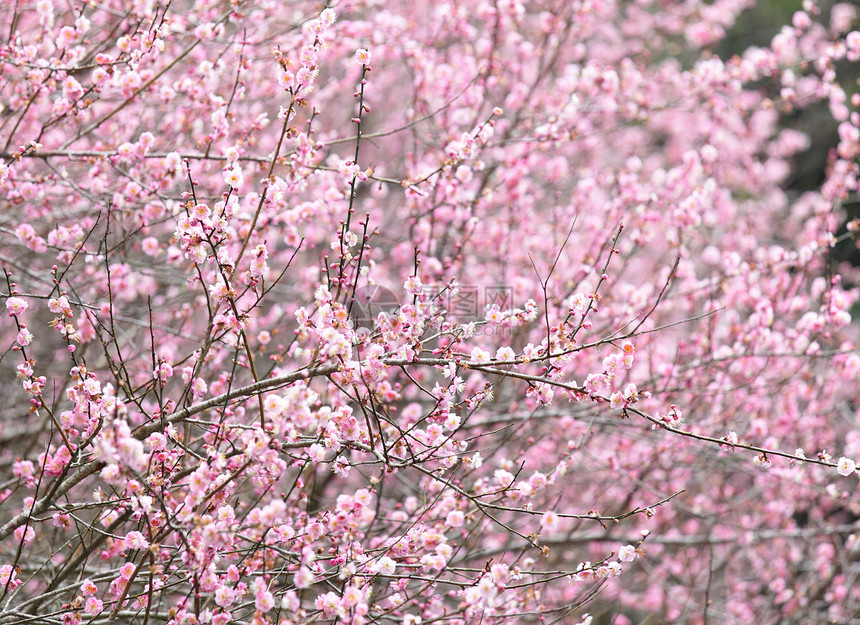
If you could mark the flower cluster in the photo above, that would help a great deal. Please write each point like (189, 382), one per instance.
(419, 314)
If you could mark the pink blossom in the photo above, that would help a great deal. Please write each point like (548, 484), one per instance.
(16, 306)
(627, 553)
(136, 540)
(93, 606)
(480, 355)
(234, 177)
(455, 518)
(845, 466)
(150, 246)
(60, 305)
(62, 520)
(126, 570)
(330, 604)
(24, 338)
(352, 596)
(25, 535)
(199, 387)
(385, 566)
(8, 576)
(550, 522)
(303, 578)
(88, 588)
(264, 601)
(362, 56)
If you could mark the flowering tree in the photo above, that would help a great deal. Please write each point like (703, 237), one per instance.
(403, 312)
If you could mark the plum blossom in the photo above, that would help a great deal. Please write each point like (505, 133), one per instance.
(234, 177)
(330, 604)
(550, 522)
(385, 566)
(845, 466)
(93, 606)
(264, 601)
(211, 402)
(627, 553)
(362, 56)
(455, 518)
(16, 306)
